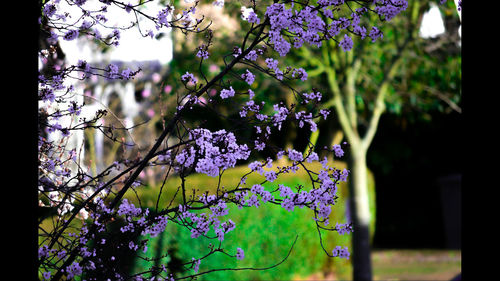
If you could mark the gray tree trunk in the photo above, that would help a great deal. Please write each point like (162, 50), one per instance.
(360, 214)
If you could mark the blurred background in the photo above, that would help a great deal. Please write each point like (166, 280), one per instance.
(402, 92)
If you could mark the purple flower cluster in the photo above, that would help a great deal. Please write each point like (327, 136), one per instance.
(240, 254)
(346, 43)
(70, 35)
(375, 33)
(304, 24)
(338, 150)
(202, 223)
(216, 151)
(248, 77)
(390, 8)
(341, 252)
(163, 16)
(300, 73)
(225, 93)
(343, 228)
(189, 77)
(203, 52)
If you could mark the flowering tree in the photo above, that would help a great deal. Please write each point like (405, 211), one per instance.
(79, 210)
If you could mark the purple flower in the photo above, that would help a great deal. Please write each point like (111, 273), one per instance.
(73, 270)
(267, 196)
(324, 112)
(341, 253)
(188, 77)
(253, 201)
(288, 204)
(257, 189)
(240, 254)
(300, 73)
(162, 16)
(294, 155)
(127, 73)
(70, 35)
(338, 150)
(272, 63)
(252, 18)
(80, 2)
(390, 8)
(225, 93)
(270, 176)
(375, 33)
(249, 77)
(252, 55)
(346, 43)
(49, 10)
(196, 265)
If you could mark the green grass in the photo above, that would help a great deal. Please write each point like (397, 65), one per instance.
(265, 234)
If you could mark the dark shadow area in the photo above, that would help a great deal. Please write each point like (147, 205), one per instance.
(417, 167)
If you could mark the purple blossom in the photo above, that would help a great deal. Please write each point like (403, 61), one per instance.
(80, 2)
(285, 191)
(127, 73)
(73, 270)
(338, 150)
(312, 157)
(249, 77)
(225, 93)
(49, 10)
(70, 35)
(267, 196)
(252, 55)
(163, 16)
(390, 8)
(343, 175)
(343, 228)
(360, 30)
(272, 63)
(189, 77)
(196, 265)
(253, 18)
(270, 176)
(202, 52)
(288, 204)
(257, 189)
(300, 73)
(253, 201)
(294, 155)
(346, 43)
(240, 254)
(256, 166)
(375, 33)
(259, 145)
(341, 252)
(324, 112)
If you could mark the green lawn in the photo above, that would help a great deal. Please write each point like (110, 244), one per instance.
(265, 233)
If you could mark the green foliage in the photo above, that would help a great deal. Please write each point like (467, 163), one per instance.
(265, 234)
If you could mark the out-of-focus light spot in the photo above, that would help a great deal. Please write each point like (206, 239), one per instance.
(432, 23)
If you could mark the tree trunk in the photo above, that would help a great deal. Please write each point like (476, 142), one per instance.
(360, 214)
